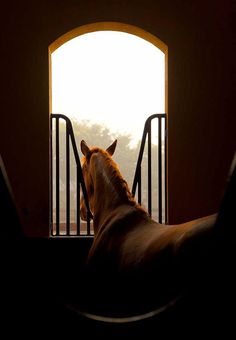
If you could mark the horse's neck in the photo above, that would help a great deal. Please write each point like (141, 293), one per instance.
(107, 196)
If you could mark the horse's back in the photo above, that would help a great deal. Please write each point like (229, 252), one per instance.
(143, 265)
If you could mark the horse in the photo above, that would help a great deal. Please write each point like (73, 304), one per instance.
(136, 264)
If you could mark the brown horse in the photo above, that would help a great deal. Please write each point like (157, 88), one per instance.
(142, 264)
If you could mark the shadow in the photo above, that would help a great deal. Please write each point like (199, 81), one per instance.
(45, 285)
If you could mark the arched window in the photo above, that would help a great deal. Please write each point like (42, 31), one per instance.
(108, 78)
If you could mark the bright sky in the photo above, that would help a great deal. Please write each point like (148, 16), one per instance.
(111, 78)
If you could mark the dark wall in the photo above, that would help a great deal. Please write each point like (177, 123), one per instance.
(199, 35)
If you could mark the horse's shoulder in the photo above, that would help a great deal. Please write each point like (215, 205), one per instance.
(113, 230)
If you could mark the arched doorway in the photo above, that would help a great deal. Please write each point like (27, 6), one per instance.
(108, 78)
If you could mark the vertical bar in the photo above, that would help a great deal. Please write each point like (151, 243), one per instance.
(165, 165)
(159, 170)
(77, 201)
(150, 170)
(51, 178)
(57, 180)
(67, 181)
(140, 185)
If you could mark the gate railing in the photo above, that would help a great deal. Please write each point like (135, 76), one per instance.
(77, 228)
(80, 185)
(161, 166)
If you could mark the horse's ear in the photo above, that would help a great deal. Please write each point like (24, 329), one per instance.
(85, 149)
(112, 147)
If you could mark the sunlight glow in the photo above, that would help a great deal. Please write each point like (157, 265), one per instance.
(111, 78)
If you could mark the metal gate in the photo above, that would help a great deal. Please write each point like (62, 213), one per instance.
(68, 226)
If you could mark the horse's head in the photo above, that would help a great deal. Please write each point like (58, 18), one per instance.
(87, 175)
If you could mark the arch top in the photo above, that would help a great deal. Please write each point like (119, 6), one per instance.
(109, 26)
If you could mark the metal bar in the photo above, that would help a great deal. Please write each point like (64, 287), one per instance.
(140, 157)
(67, 182)
(77, 201)
(165, 167)
(159, 170)
(150, 170)
(57, 179)
(80, 174)
(140, 185)
(51, 179)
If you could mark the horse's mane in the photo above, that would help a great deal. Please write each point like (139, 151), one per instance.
(116, 177)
